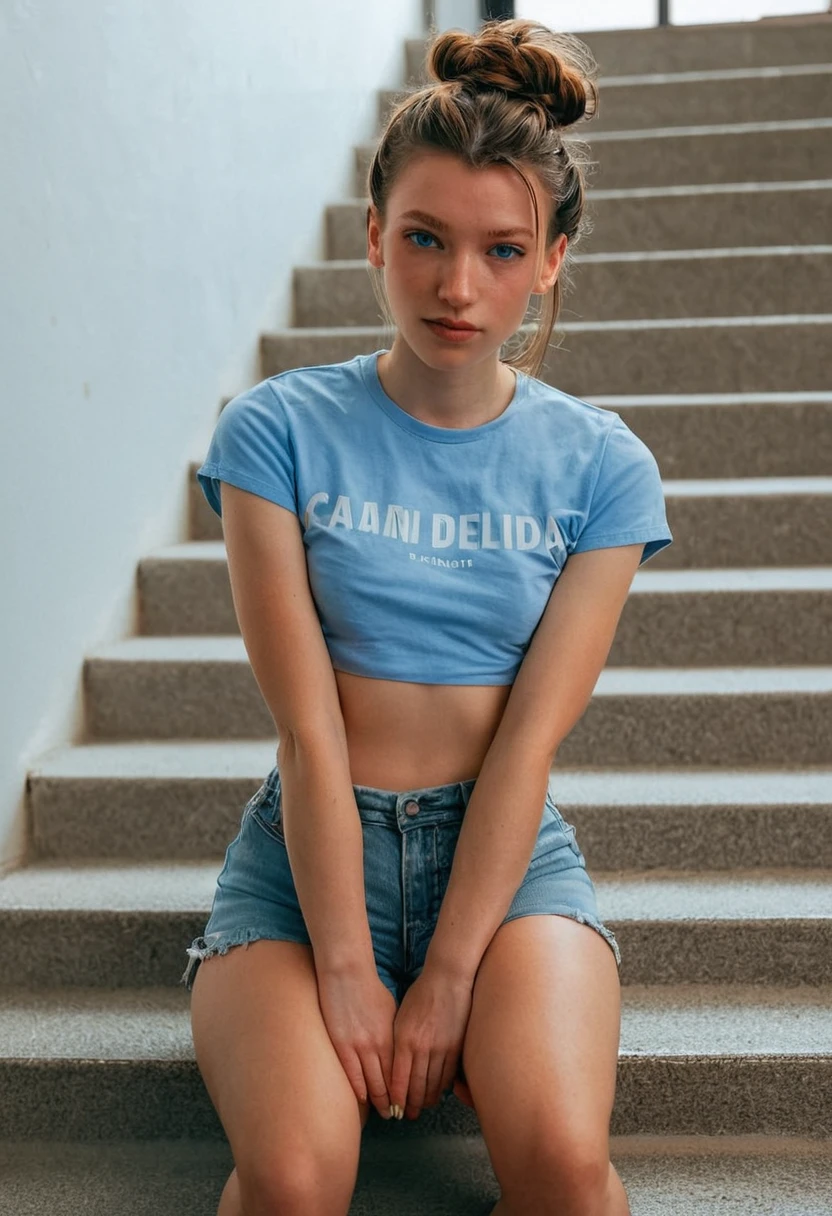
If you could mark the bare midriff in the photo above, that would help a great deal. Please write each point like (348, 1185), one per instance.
(405, 736)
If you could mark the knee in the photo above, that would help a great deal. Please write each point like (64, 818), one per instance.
(296, 1183)
(569, 1178)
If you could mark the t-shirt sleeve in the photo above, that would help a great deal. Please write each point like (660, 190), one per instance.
(627, 502)
(251, 448)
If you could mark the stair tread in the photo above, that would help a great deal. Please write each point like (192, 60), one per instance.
(651, 400)
(230, 648)
(751, 127)
(667, 191)
(103, 885)
(203, 759)
(697, 188)
(701, 254)
(711, 128)
(682, 1020)
(712, 75)
(186, 758)
(361, 334)
(417, 1175)
(696, 75)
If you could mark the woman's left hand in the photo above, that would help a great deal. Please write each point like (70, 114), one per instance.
(428, 1035)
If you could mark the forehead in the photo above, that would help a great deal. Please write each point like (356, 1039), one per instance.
(440, 184)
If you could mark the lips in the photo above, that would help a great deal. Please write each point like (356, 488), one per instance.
(451, 324)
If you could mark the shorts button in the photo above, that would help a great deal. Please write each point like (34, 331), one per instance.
(411, 808)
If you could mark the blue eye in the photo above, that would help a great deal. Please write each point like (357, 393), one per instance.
(420, 232)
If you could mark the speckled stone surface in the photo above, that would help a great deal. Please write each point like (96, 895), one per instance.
(203, 687)
(119, 924)
(170, 800)
(108, 1063)
(429, 1176)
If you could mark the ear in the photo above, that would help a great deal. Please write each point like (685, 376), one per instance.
(374, 255)
(551, 266)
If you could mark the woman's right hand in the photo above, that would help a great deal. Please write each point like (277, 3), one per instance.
(359, 1013)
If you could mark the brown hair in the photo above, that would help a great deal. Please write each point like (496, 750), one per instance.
(500, 96)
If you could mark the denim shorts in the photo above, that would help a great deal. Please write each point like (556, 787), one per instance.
(409, 843)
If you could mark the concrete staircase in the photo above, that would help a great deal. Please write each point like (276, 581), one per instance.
(699, 779)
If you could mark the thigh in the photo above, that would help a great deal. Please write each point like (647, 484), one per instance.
(269, 1066)
(541, 1048)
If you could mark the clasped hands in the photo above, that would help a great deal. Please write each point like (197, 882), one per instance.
(428, 1035)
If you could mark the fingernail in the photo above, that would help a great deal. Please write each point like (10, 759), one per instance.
(392, 1112)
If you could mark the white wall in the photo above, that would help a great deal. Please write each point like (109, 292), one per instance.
(164, 167)
(457, 14)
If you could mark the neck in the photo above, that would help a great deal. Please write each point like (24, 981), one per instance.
(456, 397)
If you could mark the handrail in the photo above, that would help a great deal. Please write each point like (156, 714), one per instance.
(502, 9)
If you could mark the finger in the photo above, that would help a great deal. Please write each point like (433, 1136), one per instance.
(385, 1055)
(401, 1076)
(419, 1080)
(379, 1095)
(437, 1069)
(354, 1069)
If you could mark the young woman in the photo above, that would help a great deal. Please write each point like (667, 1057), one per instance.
(429, 549)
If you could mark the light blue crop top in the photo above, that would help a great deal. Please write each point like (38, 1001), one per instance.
(432, 551)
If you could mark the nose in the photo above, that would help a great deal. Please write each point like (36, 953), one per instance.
(457, 286)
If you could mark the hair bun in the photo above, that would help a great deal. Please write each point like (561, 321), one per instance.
(554, 70)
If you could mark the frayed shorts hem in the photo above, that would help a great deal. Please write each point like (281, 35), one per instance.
(220, 943)
(583, 918)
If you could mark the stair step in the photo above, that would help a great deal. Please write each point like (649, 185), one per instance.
(417, 1175)
(680, 48)
(609, 286)
(204, 687)
(651, 99)
(778, 615)
(107, 1064)
(745, 354)
(658, 217)
(109, 924)
(696, 154)
(182, 801)
(684, 1021)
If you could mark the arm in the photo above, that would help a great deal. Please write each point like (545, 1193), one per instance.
(567, 653)
(291, 664)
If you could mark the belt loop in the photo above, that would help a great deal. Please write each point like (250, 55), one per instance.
(465, 793)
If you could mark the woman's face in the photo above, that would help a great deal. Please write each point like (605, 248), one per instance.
(453, 265)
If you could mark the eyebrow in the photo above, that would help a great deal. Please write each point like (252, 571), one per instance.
(425, 218)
